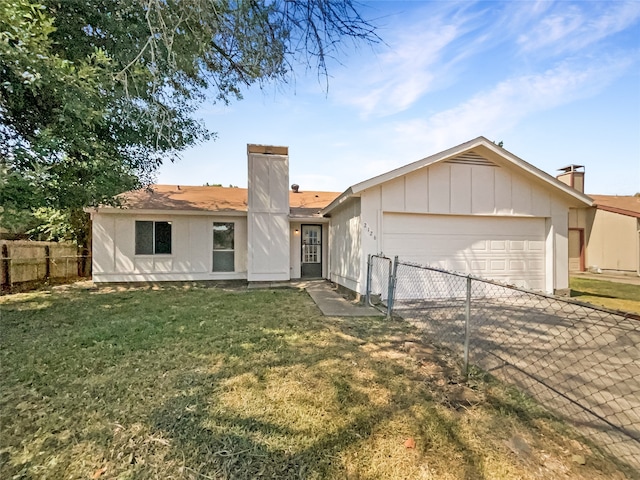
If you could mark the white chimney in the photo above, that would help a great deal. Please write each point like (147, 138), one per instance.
(268, 214)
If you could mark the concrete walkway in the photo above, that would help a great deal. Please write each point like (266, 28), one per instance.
(332, 304)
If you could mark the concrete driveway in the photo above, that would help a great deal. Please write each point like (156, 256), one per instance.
(580, 362)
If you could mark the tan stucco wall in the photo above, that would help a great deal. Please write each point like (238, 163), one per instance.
(114, 258)
(613, 242)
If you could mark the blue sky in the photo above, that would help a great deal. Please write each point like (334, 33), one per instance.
(557, 82)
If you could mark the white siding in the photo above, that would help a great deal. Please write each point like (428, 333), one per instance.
(268, 218)
(345, 262)
(114, 258)
(471, 189)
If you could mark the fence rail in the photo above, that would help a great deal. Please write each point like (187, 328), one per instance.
(581, 361)
(27, 264)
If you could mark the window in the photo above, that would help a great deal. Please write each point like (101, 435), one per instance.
(223, 247)
(153, 238)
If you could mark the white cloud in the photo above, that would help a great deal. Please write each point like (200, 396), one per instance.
(572, 27)
(496, 111)
(413, 65)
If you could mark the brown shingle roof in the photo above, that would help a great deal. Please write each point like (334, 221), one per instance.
(625, 205)
(217, 199)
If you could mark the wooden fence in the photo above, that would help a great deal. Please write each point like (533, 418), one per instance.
(24, 263)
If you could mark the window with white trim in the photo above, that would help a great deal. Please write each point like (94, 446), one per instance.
(223, 247)
(153, 238)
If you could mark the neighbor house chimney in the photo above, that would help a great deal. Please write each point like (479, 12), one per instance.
(572, 175)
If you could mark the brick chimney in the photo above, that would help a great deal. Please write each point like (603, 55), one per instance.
(572, 175)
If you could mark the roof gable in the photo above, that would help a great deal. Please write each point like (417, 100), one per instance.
(478, 151)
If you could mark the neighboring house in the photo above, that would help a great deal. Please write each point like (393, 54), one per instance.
(605, 237)
(475, 208)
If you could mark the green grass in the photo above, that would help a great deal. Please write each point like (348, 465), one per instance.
(190, 383)
(617, 296)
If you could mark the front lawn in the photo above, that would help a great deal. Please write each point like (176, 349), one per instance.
(194, 383)
(617, 296)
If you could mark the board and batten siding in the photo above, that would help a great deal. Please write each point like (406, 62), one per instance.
(191, 258)
(345, 257)
(268, 216)
(471, 188)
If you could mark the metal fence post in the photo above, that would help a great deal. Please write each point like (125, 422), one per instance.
(467, 326)
(392, 286)
(367, 298)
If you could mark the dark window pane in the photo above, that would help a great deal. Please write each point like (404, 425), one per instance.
(223, 261)
(223, 236)
(163, 237)
(144, 238)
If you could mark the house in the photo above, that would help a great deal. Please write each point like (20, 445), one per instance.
(473, 208)
(606, 236)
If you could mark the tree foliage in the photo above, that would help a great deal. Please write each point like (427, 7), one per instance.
(95, 95)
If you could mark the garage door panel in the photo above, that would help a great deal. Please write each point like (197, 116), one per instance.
(479, 246)
(506, 249)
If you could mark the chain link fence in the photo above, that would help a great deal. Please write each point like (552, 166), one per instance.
(578, 360)
(379, 272)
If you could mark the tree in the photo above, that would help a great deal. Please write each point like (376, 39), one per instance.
(95, 95)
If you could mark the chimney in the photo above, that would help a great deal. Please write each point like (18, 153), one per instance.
(572, 175)
(268, 236)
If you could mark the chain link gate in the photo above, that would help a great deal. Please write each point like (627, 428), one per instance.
(379, 289)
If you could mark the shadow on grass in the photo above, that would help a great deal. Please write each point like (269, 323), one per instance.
(175, 384)
(222, 436)
(580, 293)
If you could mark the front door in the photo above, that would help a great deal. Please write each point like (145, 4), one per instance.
(576, 250)
(311, 251)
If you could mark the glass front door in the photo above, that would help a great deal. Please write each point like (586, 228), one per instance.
(311, 251)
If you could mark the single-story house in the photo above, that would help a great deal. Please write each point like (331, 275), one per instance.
(606, 236)
(473, 208)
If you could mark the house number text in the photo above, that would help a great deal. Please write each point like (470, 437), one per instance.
(367, 229)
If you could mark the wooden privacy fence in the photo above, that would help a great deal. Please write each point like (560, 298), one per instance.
(24, 263)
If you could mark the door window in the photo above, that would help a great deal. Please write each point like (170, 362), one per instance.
(311, 244)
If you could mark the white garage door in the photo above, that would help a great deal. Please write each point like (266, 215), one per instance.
(510, 250)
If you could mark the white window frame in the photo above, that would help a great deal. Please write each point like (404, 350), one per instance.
(214, 249)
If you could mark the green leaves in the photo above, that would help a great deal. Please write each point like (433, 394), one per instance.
(94, 96)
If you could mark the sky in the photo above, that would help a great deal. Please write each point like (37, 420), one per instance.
(557, 82)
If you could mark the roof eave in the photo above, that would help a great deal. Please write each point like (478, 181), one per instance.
(621, 211)
(458, 150)
(160, 211)
(424, 162)
(536, 172)
(344, 196)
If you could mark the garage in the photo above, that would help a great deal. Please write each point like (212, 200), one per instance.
(506, 249)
